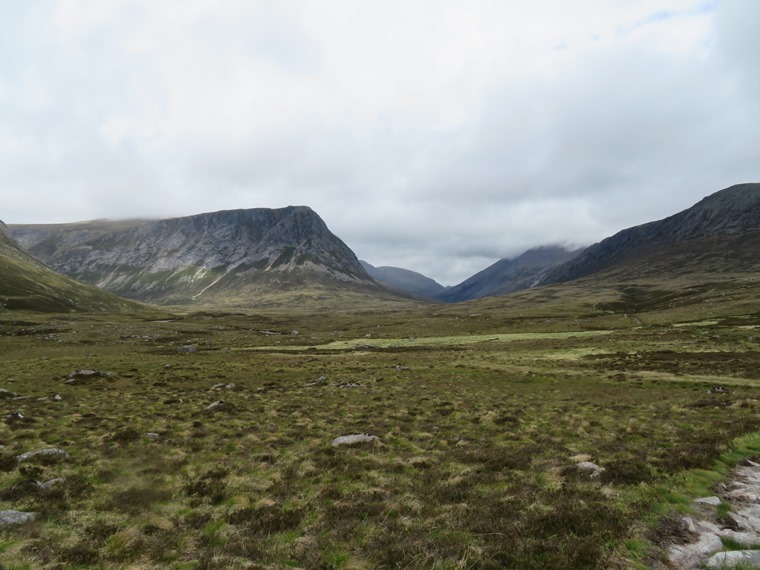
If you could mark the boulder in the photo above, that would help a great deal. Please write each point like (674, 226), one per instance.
(49, 453)
(353, 439)
(8, 518)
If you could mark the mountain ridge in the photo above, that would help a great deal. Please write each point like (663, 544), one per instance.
(730, 211)
(509, 274)
(247, 254)
(405, 279)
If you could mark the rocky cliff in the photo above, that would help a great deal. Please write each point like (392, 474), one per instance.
(229, 254)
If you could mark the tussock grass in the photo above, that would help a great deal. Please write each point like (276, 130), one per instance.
(475, 465)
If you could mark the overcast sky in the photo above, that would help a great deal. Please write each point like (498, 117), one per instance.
(435, 135)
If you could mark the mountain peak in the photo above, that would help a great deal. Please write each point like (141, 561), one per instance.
(729, 211)
(181, 260)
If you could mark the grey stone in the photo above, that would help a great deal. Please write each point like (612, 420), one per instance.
(8, 518)
(592, 469)
(51, 452)
(352, 439)
(86, 374)
(152, 435)
(731, 559)
(187, 349)
(53, 483)
(7, 394)
(714, 501)
(690, 555)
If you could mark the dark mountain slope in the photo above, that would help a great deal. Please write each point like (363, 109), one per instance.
(508, 275)
(27, 284)
(410, 281)
(730, 212)
(236, 256)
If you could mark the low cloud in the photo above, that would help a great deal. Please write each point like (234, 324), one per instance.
(438, 138)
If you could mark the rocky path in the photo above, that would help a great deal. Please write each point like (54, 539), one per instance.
(718, 528)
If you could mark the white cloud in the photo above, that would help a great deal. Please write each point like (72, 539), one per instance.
(437, 136)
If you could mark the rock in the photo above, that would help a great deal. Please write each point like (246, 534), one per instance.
(53, 483)
(152, 435)
(689, 555)
(57, 398)
(714, 501)
(401, 367)
(51, 453)
(745, 558)
(218, 406)
(295, 333)
(187, 349)
(592, 469)
(7, 394)
(8, 518)
(353, 439)
(349, 385)
(321, 381)
(87, 374)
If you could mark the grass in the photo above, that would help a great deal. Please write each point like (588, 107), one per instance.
(481, 411)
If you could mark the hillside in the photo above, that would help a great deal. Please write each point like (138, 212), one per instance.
(237, 257)
(706, 230)
(27, 284)
(508, 275)
(405, 279)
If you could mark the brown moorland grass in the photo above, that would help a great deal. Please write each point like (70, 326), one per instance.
(474, 465)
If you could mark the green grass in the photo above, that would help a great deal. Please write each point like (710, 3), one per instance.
(480, 410)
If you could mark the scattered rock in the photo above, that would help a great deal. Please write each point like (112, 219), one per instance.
(593, 470)
(8, 518)
(714, 501)
(295, 333)
(53, 483)
(152, 435)
(7, 394)
(49, 453)
(269, 333)
(734, 558)
(187, 349)
(742, 525)
(321, 381)
(400, 367)
(353, 439)
(57, 398)
(218, 406)
(348, 385)
(719, 390)
(77, 375)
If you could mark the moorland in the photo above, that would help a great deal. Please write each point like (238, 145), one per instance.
(203, 439)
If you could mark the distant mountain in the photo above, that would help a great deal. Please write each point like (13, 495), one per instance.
(509, 275)
(27, 284)
(718, 227)
(244, 257)
(404, 279)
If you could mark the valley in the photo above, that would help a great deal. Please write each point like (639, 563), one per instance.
(290, 411)
(220, 455)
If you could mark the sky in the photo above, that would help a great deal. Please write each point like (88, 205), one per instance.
(435, 135)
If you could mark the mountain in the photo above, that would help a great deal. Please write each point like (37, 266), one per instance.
(27, 284)
(404, 279)
(508, 275)
(243, 257)
(710, 235)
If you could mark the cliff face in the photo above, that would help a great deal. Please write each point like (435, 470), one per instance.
(728, 213)
(198, 257)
